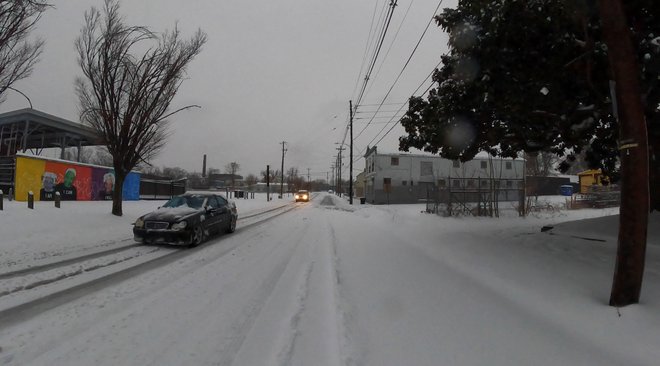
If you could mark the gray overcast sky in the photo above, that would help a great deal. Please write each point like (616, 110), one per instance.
(271, 71)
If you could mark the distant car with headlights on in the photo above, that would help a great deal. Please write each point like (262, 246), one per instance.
(187, 219)
(302, 196)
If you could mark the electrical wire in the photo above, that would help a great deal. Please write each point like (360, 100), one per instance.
(396, 34)
(361, 154)
(407, 62)
(366, 46)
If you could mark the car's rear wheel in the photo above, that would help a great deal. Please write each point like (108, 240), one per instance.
(232, 225)
(197, 236)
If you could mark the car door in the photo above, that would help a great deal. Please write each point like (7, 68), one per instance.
(213, 215)
(225, 213)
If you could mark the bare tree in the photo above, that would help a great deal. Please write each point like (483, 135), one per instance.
(18, 55)
(251, 180)
(274, 176)
(124, 96)
(232, 168)
(540, 164)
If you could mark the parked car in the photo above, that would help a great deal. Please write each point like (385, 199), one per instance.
(187, 219)
(302, 195)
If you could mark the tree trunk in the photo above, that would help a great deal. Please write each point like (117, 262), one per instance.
(633, 218)
(118, 194)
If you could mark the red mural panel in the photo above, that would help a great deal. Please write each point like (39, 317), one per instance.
(74, 182)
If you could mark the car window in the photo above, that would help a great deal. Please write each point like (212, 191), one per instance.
(190, 201)
(213, 203)
(222, 201)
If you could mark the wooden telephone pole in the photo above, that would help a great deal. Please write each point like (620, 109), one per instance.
(634, 155)
(283, 143)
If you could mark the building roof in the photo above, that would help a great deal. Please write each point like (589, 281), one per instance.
(45, 130)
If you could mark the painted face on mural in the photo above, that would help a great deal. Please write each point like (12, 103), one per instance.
(69, 177)
(109, 182)
(48, 182)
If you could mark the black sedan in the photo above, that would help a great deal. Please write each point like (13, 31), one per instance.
(187, 220)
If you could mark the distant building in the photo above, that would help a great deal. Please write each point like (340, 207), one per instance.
(360, 184)
(225, 181)
(410, 178)
(274, 187)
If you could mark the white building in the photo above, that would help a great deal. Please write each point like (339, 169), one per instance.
(411, 178)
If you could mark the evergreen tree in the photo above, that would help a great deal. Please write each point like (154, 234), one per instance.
(533, 76)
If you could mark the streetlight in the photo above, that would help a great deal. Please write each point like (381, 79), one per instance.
(21, 93)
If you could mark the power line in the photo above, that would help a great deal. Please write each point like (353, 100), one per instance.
(381, 38)
(390, 46)
(407, 62)
(366, 46)
(400, 108)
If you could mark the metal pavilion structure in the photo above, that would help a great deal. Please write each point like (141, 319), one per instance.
(31, 131)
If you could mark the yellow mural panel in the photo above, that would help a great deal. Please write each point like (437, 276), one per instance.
(28, 177)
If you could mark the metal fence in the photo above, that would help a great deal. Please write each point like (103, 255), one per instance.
(151, 189)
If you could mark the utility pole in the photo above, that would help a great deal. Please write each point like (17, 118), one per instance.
(267, 183)
(340, 148)
(634, 155)
(334, 182)
(350, 169)
(309, 184)
(282, 171)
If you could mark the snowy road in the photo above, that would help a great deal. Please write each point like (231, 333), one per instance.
(327, 284)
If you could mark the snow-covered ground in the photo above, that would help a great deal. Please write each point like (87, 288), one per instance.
(322, 283)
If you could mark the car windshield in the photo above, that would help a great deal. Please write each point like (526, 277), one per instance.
(190, 201)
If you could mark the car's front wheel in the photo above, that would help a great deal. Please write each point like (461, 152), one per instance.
(232, 225)
(197, 236)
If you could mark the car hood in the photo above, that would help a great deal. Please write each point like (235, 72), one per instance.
(171, 214)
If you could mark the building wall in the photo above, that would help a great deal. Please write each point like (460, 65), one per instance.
(85, 182)
(413, 178)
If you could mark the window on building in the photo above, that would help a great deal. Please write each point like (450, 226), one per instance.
(497, 184)
(411, 182)
(507, 165)
(484, 165)
(470, 183)
(456, 164)
(404, 182)
(394, 161)
(456, 183)
(442, 183)
(484, 182)
(426, 168)
(509, 184)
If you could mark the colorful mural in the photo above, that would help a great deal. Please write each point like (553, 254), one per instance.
(74, 182)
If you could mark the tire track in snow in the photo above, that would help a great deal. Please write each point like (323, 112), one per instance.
(287, 352)
(21, 312)
(148, 289)
(244, 325)
(341, 307)
(47, 266)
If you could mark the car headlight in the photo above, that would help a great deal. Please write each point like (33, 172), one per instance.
(139, 223)
(179, 226)
(297, 196)
(305, 197)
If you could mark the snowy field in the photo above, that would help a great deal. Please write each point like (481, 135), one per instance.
(321, 283)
